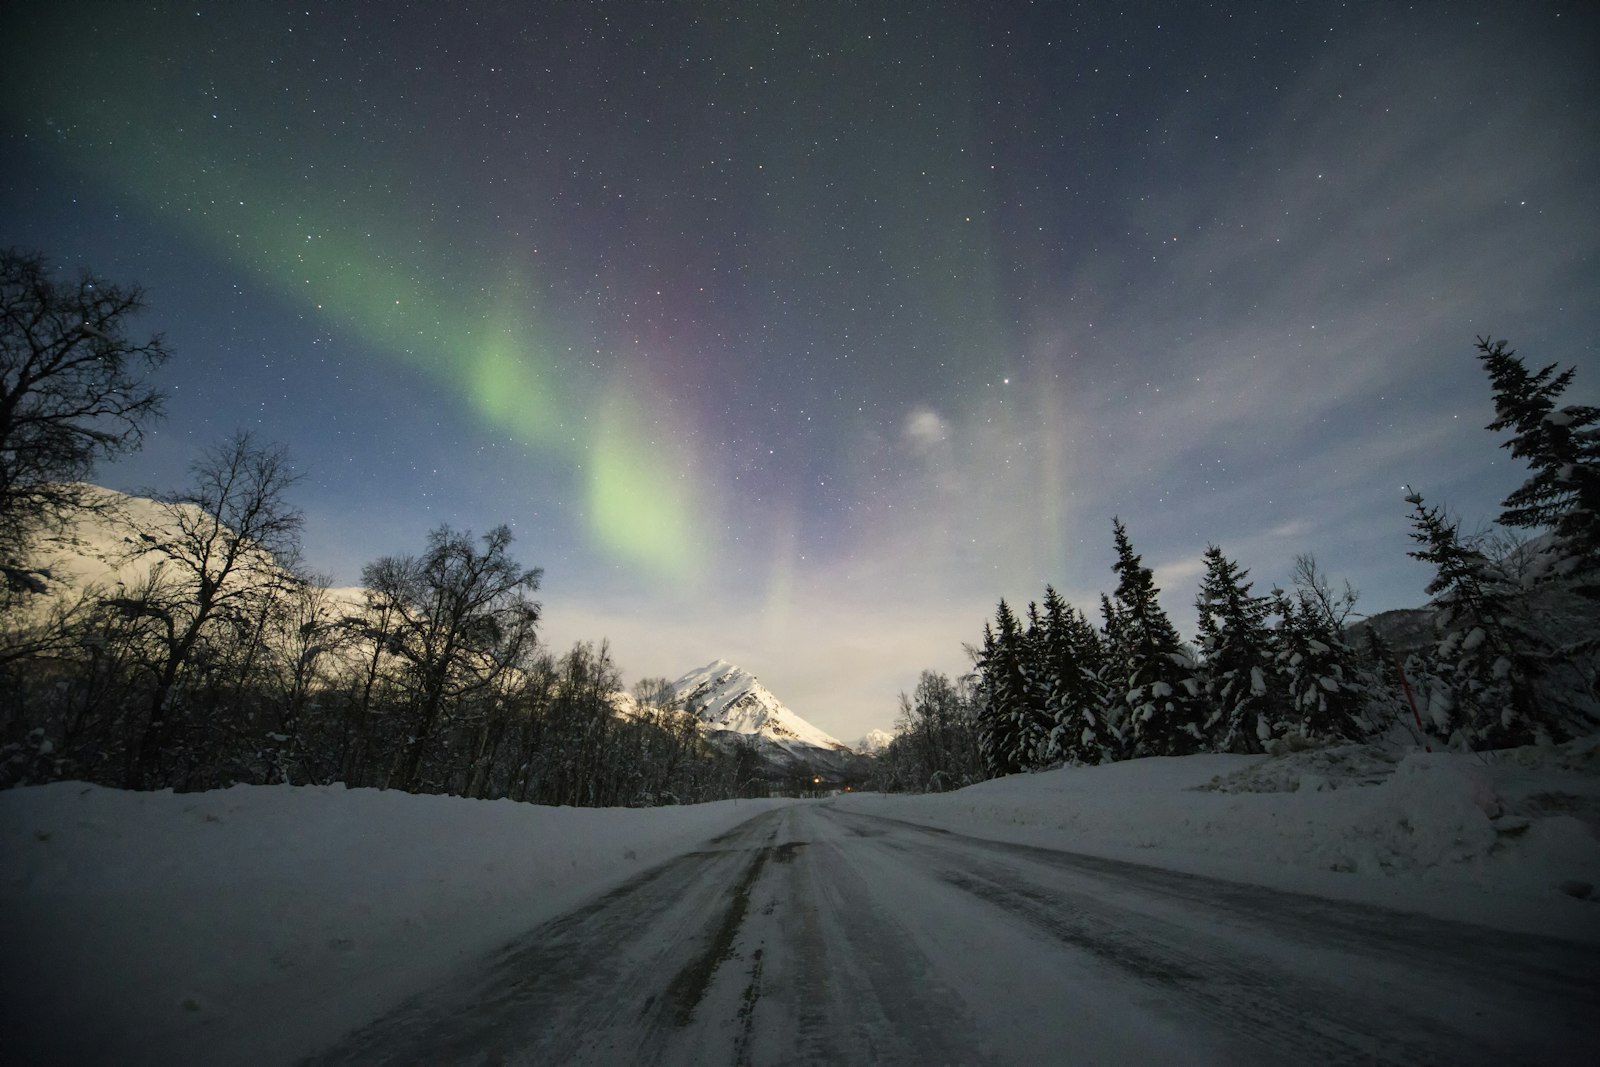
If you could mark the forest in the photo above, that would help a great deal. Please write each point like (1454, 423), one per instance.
(228, 661)
(1512, 659)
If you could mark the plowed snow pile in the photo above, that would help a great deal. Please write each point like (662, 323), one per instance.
(1509, 837)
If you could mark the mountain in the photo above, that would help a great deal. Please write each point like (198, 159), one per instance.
(874, 742)
(730, 701)
(1407, 630)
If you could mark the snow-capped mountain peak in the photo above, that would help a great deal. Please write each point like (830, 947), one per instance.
(728, 697)
(874, 742)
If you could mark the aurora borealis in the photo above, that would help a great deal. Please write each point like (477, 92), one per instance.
(798, 334)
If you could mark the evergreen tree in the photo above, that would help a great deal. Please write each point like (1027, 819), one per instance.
(1105, 744)
(1033, 716)
(1481, 682)
(1237, 647)
(1076, 695)
(989, 732)
(1113, 630)
(1376, 664)
(1000, 737)
(1160, 686)
(1110, 676)
(1562, 445)
(1317, 670)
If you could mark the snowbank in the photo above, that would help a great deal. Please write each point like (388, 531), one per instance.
(164, 928)
(1510, 839)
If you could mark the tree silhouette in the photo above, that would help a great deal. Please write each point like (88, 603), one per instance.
(72, 391)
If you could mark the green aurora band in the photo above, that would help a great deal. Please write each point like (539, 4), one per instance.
(909, 228)
(123, 124)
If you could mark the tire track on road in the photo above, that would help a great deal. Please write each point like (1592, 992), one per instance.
(582, 988)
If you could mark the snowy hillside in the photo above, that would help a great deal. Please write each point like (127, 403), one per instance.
(116, 543)
(726, 697)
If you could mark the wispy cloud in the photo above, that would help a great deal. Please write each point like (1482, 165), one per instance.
(923, 430)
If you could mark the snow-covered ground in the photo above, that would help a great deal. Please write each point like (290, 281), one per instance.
(1509, 839)
(256, 924)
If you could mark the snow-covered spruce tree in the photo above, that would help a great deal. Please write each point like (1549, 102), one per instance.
(987, 660)
(1070, 663)
(1006, 691)
(1376, 673)
(1033, 721)
(1159, 680)
(1113, 634)
(1324, 699)
(1109, 673)
(1562, 445)
(1481, 683)
(1106, 744)
(1237, 652)
(1277, 717)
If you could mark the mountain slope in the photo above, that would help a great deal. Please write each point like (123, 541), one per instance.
(727, 697)
(729, 700)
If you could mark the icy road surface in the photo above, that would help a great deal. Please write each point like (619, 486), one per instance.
(811, 935)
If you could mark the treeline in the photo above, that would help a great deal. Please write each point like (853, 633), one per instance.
(935, 747)
(209, 674)
(225, 662)
(1513, 660)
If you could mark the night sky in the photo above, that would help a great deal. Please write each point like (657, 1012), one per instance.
(799, 334)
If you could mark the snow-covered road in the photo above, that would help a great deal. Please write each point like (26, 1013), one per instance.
(810, 934)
